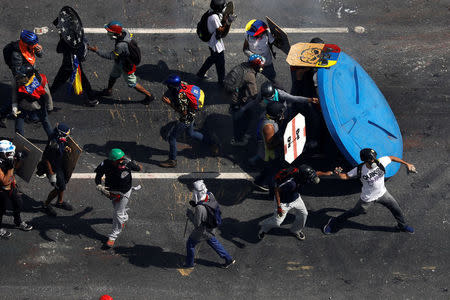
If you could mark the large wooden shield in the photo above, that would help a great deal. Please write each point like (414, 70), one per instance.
(32, 156)
(294, 138)
(281, 38)
(229, 10)
(313, 55)
(71, 158)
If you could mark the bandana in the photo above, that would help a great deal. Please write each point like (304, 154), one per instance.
(25, 50)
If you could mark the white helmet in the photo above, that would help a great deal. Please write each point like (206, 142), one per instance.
(7, 149)
(200, 191)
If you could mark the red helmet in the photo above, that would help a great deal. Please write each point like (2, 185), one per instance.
(114, 27)
(106, 297)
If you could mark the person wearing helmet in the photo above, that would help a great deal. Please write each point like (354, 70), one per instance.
(33, 99)
(240, 86)
(73, 56)
(52, 164)
(271, 151)
(218, 27)
(203, 216)
(371, 173)
(287, 198)
(117, 170)
(186, 100)
(122, 66)
(17, 54)
(294, 105)
(9, 160)
(259, 40)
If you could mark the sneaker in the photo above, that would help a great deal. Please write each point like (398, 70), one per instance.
(407, 229)
(202, 77)
(300, 235)
(110, 243)
(92, 103)
(148, 99)
(238, 143)
(263, 188)
(214, 149)
(49, 211)
(327, 228)
(4, 234)
(188, 267)
(64, 205)
(24, 226)
(170, 163)
(261, 235)
(227, 264)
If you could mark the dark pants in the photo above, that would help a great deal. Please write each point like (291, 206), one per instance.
(241, 123)
(14, 196)
(63, 76)
(267, 175)
(179, 128)
(313, 119)
(42, 117)
(213, 242)
(269, 72)
(361, 208)
(217, 59)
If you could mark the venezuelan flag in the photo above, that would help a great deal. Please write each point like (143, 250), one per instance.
(75, 78)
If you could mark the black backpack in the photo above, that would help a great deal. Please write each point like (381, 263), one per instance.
(234, 79)
(214, 215)
(359, 168)
(134, 58)
(8, 50)
(202, 27)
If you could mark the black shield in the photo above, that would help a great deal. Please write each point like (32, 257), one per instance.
(70, 27)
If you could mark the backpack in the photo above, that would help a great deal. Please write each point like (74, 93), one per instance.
(202, 27)
(214, 215)
(234, 79)
(8, 50)
(194, 94)
(134, 58)
(359, 168)
(285, 174)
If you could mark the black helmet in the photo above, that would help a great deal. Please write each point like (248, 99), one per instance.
(267, 90)
(317, 40)
(217, 5)
(275, 110)
(307, 174)
(368, 155)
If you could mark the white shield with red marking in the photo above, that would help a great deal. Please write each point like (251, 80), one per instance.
(294, 138)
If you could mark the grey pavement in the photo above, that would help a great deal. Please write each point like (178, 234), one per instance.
(405, 48)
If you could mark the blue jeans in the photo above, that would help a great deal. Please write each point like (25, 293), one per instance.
(42, 116)
(213, 242)
(179, 128)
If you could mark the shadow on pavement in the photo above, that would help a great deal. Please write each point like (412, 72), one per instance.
(144, 256)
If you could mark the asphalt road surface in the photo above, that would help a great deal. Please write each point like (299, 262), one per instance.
(404, 47)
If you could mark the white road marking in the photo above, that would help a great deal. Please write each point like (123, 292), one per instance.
(191, 175)
(237, 30)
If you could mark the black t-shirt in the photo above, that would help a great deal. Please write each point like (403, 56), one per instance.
(288, 190)
(117, 178)
(54, 153)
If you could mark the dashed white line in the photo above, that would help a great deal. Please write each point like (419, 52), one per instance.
(190, 175)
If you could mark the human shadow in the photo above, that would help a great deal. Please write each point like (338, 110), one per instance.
(140, 153)
(144, 256)
(71, 225)
(159, 72)
(241, 232)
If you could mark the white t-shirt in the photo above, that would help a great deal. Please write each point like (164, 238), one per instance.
(260, 45)
(372, 180)
(214, 22)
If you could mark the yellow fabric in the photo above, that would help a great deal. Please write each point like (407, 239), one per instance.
(201, 100)
(77, 86)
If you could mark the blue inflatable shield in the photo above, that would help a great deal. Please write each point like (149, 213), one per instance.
(357, 114)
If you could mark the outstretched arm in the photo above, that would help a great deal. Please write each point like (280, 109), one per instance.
(411, 167)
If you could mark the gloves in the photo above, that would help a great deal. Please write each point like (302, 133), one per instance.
(15, 111)
(230, 19)
(279, 211)
(52, 179)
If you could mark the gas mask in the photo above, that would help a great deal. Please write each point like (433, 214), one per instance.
(200, 191)
(112, 35)
(308, 174)
(274, 98)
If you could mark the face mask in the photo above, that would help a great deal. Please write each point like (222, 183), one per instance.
(112, 36)
(373, 165)
(274, 98)
(62, 139)
(200, 191)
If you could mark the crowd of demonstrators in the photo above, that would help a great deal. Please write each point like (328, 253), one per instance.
(31, 98)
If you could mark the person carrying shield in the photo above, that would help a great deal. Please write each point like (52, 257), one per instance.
(73, 46)
(9, 161)
(258, 40)
(124, 60)
(118, 186)
(52, 165)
